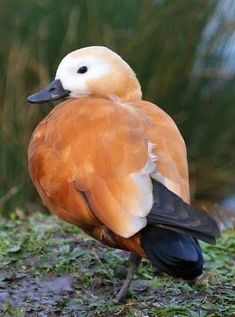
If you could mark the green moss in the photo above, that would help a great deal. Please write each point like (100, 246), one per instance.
(41, 248)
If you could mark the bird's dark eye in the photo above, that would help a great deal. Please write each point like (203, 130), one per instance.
(82, 70)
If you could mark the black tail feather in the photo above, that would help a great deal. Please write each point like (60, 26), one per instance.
(175, 253)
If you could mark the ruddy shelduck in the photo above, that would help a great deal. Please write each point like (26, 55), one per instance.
(116, 165)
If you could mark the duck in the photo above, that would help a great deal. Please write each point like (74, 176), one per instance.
(116, 166)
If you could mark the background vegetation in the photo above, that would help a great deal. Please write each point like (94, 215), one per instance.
(183, 54)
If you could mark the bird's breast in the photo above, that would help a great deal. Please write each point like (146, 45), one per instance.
(75, 144)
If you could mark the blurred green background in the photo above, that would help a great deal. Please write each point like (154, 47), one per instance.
(182, 51)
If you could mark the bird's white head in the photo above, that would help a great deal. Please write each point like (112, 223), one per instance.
(92, 71)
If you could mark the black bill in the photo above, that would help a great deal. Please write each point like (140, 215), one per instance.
(52, 92)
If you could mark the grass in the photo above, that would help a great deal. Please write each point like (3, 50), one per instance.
(50, 268)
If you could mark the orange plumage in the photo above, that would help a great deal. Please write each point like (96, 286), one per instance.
(91, 145)
(94, 159)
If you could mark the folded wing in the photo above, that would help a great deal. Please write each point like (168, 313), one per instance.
(170, 211)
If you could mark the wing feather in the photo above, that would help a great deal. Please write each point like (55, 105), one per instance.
(170, 211)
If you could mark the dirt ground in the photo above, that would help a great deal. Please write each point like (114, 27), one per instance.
(49, 268)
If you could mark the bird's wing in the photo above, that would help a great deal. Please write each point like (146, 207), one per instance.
(115, 173)
(119, 166)
(170, 179)
(167, 149)
(122, 204)
(170, 211)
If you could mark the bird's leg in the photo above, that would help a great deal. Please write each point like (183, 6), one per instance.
(134, 261)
